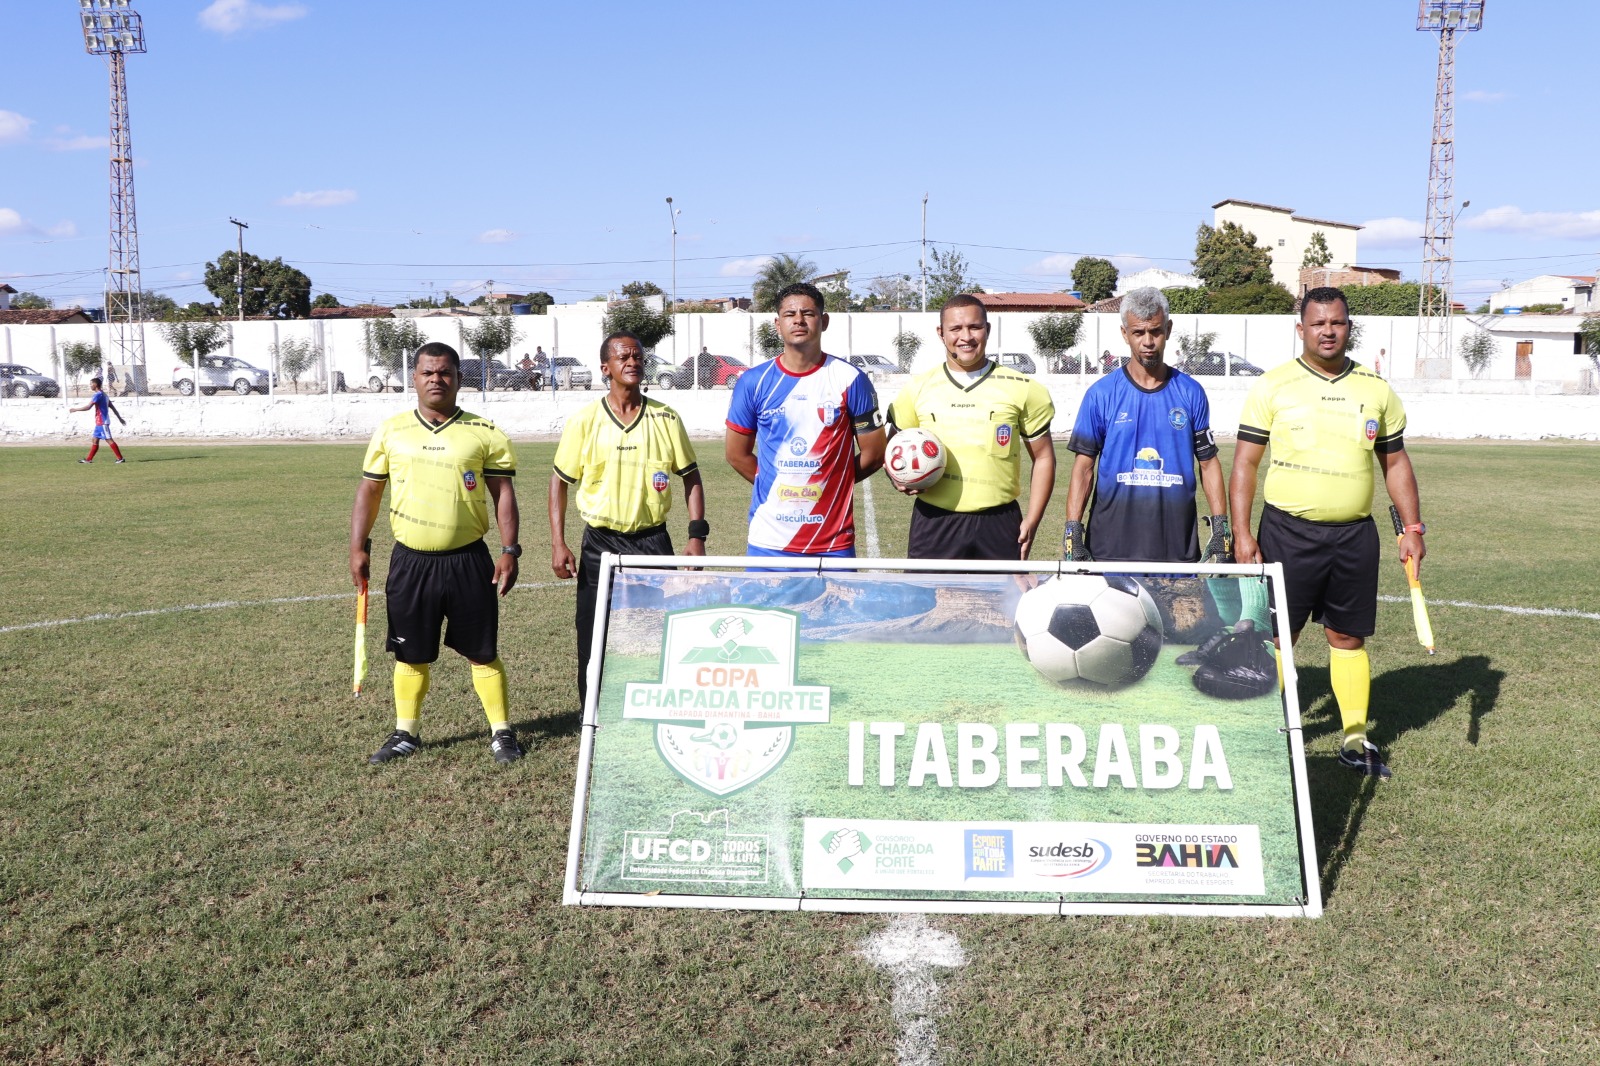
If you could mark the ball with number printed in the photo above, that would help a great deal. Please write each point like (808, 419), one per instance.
(1089, 628)
(914, 460)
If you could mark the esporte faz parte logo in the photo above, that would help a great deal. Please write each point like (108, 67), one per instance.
(727, 702)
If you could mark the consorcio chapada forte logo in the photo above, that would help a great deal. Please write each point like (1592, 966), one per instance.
(727, 702)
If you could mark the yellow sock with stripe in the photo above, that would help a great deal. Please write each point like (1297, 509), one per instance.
(1350, 674)
(490, 683)
(410, 686)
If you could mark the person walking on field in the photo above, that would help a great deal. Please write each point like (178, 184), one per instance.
(1325, 417)
(103, 410)
(445, 469)
(619, 452)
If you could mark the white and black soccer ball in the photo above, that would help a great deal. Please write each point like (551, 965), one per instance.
(1088, 627)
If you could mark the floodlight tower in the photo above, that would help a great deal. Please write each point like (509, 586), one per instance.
(113, 29)
(1446, 18)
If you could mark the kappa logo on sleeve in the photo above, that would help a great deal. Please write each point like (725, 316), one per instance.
(727, 704)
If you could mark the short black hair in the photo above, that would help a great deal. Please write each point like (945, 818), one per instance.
(801, 288)
(621, 334)
(1325, 294)
(95, 382)
(964, 299)
(441, 350)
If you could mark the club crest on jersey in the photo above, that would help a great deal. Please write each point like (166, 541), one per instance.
(798, 446)
(1372, 429)
(828, 412)
(1002, 435)
(1178, 417)
(658, 481)
(469, 479)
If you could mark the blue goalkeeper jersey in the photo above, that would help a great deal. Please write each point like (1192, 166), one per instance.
(1146, 444)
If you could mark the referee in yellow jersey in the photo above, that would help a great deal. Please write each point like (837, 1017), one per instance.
(445, 467)
(986, 415)
(619, 451)
(1325, 417)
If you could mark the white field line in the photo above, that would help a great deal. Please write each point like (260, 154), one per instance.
(872, 518)
(909, 948)
(219, 605)
(1549, 612)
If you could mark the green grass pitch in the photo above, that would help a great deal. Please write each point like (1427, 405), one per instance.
(197, 866)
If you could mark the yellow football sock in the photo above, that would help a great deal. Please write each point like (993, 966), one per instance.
(490, 681)
(1277, 657)
(1350, 674)
(410, 686)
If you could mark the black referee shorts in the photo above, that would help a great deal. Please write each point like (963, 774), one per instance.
(1330, 570)
(426, 588)
(596, 541)
(987, 534)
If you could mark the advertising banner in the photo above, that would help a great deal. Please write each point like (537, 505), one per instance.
(874, 736)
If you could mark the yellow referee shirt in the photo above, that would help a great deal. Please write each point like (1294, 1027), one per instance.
(1322, 433)
(437, 497)
(982, 426)
(622, 471)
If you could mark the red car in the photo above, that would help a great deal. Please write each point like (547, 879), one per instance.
(712, 372)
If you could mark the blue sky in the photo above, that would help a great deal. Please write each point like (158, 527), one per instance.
(438, 146)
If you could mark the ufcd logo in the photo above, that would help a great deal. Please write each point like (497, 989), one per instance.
(1191, 856)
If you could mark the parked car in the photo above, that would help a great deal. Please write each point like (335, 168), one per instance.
(1218, 364)
(1018, 361)
(712, 372)
(876, 366)
(24, 381)
(1073, 363)
(381, 380)
(568, 373)
(222, 372)
(500, 375)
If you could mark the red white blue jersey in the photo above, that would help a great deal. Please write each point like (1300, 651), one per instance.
(805, 427)
(102, 408)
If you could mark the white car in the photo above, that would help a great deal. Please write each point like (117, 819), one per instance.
(221, 372)
(876, 367)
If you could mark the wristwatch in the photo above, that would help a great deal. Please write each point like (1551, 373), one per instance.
(1420, 529)
(513, 550)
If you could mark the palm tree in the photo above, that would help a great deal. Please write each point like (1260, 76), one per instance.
(780, 272)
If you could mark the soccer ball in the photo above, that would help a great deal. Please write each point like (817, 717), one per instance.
(1090, 628)
(915, 460)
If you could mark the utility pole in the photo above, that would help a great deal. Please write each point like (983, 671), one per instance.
(239, 283)
(924, 260)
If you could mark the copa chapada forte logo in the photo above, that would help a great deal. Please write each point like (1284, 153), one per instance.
(728, 701)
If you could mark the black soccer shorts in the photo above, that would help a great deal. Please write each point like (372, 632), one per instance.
(1330, 570)
(987, 534)
(424, 589)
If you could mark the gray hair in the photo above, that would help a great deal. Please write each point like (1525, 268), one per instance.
(1144, 303)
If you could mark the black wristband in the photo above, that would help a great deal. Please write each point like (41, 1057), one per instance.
(699, 529)
(366, 545)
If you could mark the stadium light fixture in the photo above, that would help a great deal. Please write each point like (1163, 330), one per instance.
(1460, 16)
(110, 26)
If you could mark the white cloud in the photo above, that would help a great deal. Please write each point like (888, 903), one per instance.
(1052, 264)
(1572, 225)
(744, 268)
(13, 224)
(319, 198)
(231, 16)
(1483, 96)
(13, 127)
(497, 236)
(64, 140)
(1392, 232)
(1129, 263)
(61, 230)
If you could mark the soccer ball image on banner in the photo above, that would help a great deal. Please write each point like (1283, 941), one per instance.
(915, 460)
(1086, 627)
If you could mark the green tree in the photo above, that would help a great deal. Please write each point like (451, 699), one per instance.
(1589, 337)
(493, 336)
(837, 296)
(390, 342)
(194, 336)
(78, 357)
(294, 357)
(327, 299)
(779, 272)
(768, 344)
(1228, 257)
(1054, 335)
(271, 287)
(1317, 254)
(642, 288)
(30, 301)
(1401, 298)
(154, 306)
(196, 309)
(1185, 301)
(539, 301)
(1192, 344)
(948, 277)
(906, 346)
(1256, 298)
(893, 293)
(1094, 278)
(1478, 351)
(640, 319)
(1357, 331)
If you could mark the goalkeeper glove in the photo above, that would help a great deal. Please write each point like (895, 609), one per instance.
(1220, 548)
(1074, 544)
